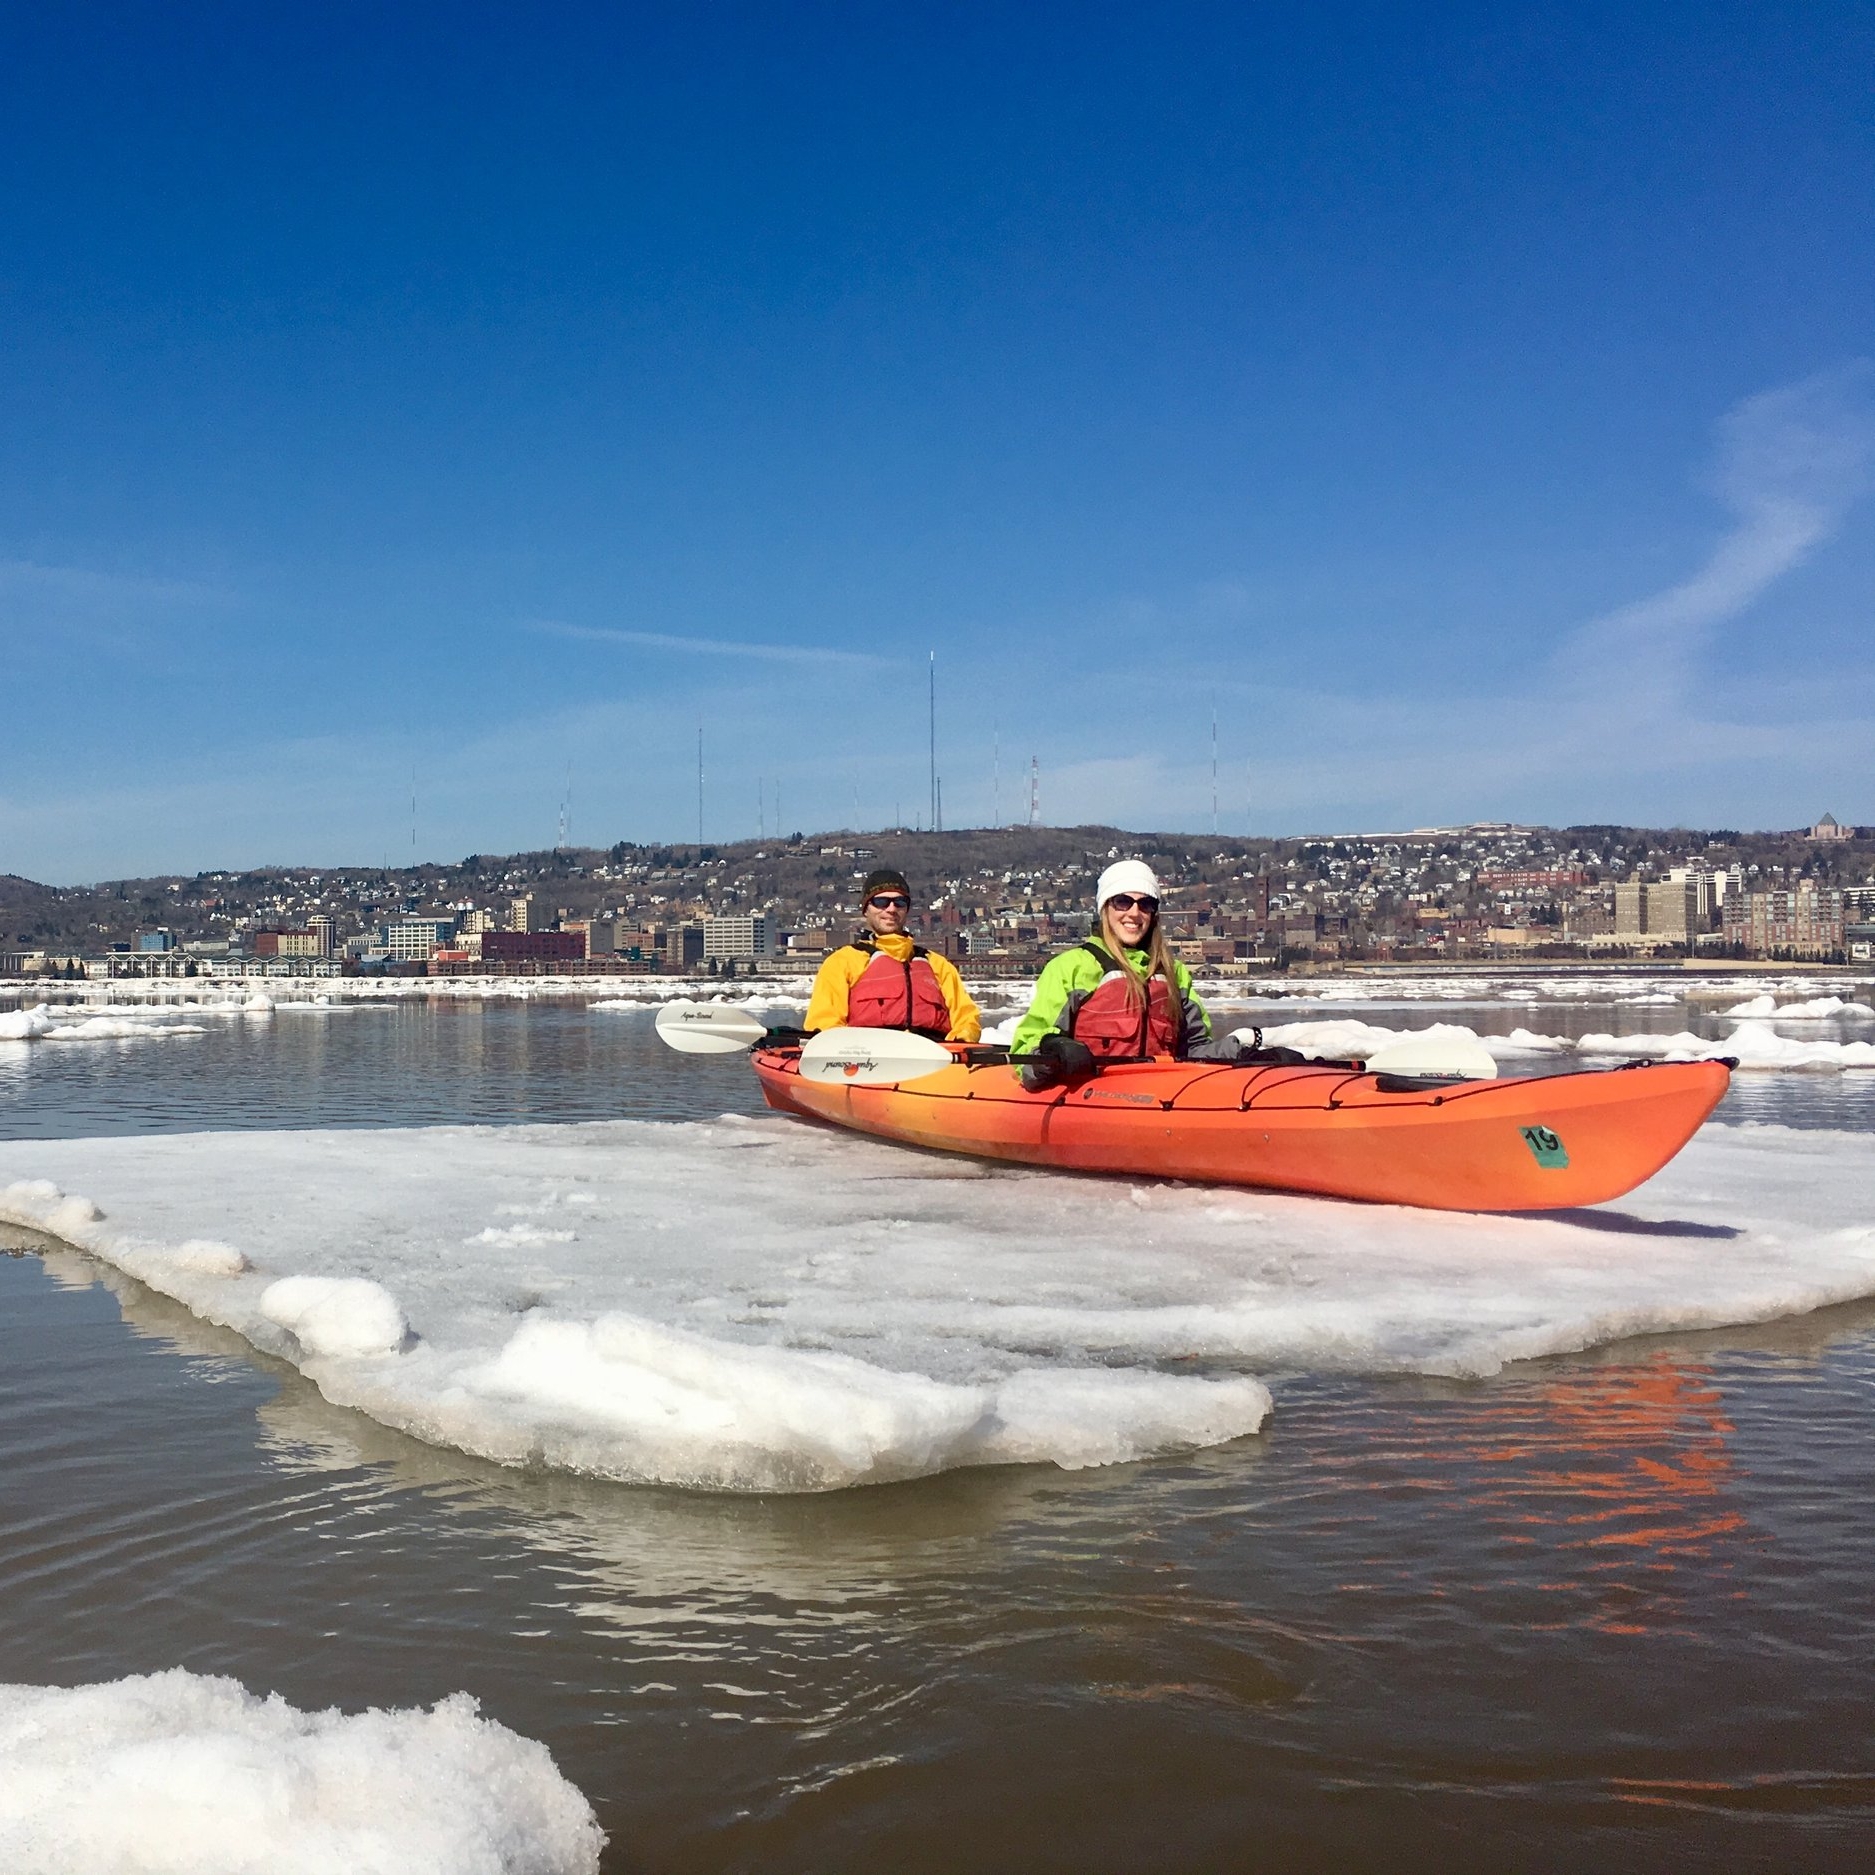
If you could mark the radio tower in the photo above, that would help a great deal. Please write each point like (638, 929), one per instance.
(1214, 765)
(1035, 791)
(933, 823)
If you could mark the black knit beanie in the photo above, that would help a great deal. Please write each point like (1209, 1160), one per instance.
(880, 879)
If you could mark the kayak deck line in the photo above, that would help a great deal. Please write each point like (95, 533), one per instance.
(1546, 1142)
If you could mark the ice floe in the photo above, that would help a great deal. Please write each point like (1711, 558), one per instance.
(41, 1023)
(757, 1304)
(1750, 1044)
(1814, 1009)
(180, 1774)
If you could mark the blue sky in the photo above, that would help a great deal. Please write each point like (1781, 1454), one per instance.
(1473, 404)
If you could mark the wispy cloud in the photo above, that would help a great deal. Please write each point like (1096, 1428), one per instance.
(1632, 710)
(702, 647)
(112, 609)
(1791, 463)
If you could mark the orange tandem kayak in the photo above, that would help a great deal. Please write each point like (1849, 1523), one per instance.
(1538, 1144)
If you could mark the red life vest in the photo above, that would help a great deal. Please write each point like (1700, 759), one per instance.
(893, 995)
(1111, 1022)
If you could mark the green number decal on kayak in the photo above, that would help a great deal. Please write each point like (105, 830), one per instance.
(1545, 1147)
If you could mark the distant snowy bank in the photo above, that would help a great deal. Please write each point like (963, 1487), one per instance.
(149, 1010)
(759, 1305)
(177, 1774)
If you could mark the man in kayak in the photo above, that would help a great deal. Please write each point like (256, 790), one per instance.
(882, 980)
(1121, 994)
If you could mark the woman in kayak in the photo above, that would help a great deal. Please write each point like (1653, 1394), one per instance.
(1122, 993)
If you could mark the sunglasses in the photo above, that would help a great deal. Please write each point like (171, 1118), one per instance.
(890, 901)
(1125, 901)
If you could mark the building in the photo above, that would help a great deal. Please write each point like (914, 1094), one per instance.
(1705, 889)
(160, 940)
(1654, 914)
(1828, 828)
(1803, 921)
(513, 947)
(602, 935)
(526, 913)
(1532, 879)
(746, 935)
(278, 943)
(410, 940)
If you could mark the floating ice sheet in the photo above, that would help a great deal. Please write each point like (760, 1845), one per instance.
(760, 1304)
(1751, 1044)
(177, 1774)
(43, 1024)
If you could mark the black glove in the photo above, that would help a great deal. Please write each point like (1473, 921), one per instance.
(783, 1038)
(1057, 1058)
(1247, 1054)
(1227, 1047)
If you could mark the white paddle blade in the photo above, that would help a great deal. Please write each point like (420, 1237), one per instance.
(1445, 1057)
(707, 1028)
(871, 1057)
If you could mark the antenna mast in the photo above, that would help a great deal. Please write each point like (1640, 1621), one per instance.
(934, 782)
(699, 787)
(1214, 764)
(1035, 791)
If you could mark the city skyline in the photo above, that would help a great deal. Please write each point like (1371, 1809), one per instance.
(1475, 413)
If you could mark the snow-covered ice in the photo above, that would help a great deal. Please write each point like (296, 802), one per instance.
(332, 1317)
(179, 1774)
(758, 1304)
(41, 1023)
(1812, 1009)
(1751, 1044)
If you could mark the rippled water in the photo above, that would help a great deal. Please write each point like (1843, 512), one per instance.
(1610, 1612)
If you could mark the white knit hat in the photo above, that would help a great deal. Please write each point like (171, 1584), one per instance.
(1127, 875)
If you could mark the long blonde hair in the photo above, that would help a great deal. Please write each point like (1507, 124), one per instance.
(1158, 961)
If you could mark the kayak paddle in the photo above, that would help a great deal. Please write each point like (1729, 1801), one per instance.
(1435, 1057)
(871, 1057)
(707, 1028)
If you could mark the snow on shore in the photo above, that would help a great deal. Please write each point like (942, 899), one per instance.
(761, 1305)
(178, 1774)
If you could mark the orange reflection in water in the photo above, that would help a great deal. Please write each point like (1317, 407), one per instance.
(1620, 1475)
(1626, 1484)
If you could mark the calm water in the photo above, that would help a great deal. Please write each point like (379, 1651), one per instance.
(1612, 1612)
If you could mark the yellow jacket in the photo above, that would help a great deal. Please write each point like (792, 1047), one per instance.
(833, 983)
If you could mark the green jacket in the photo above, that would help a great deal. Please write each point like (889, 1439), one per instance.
(1071, 976)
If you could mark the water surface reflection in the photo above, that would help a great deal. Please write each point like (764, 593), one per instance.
(1420, 1624)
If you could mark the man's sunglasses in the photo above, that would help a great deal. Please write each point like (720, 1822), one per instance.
(890, 901)
(1125, 901)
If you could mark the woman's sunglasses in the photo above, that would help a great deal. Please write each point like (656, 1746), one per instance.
(890, 901)
(1125, 901)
